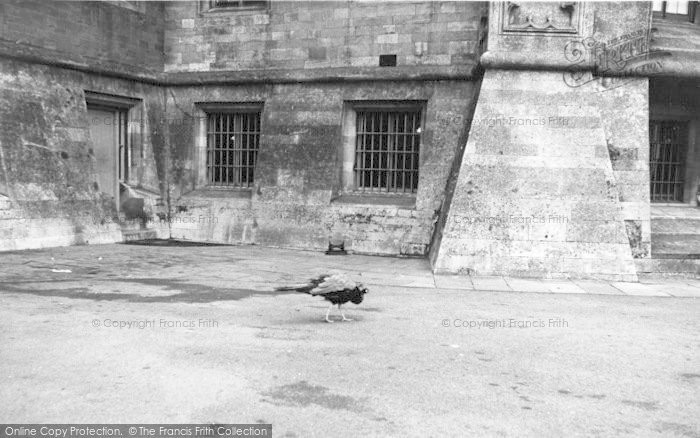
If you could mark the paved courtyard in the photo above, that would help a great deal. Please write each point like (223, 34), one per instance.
(149, 334)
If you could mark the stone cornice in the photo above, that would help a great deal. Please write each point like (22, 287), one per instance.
(668, 63)
(661, 63)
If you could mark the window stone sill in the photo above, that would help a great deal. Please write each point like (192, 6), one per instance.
(220, 192)
(406, 201)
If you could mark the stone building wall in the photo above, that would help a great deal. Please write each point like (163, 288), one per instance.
(298, 200)
(321, 34)
(306, 64)
(48, 191)
(128, 33)
(554, 180)
(47, 165)
(538, 192)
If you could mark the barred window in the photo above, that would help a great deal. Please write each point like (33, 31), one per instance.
(134, 5)
(387, 150)
(671, 6)
(239, 4)
(667, 145)
(233, 139)
(676, 9)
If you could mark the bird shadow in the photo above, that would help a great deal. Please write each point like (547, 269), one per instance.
(370, 309)
(312, 319)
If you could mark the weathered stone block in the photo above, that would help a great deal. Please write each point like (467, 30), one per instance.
(317, 53)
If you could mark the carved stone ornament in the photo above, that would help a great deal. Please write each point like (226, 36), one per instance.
(541, 17)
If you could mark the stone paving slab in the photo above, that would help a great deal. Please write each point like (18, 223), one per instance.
(677, 288)
(563, 287)
(526, 285)
(461, 282)
(598, 287)
(491, 283)
(641, 289)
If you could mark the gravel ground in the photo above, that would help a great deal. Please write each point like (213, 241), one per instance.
(136, 334)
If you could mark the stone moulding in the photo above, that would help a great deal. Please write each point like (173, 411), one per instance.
(51, 58)
(529, 61)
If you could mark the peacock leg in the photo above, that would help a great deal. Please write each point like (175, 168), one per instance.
(328, 312)
(341, 312)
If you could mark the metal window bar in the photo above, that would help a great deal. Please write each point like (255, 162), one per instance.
(692, 11)
(667, 160)
(124, 152)
(233, 140)
(387, 149)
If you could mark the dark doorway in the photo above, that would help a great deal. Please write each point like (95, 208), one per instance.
(668, 141)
